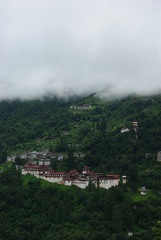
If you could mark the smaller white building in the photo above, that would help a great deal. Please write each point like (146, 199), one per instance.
(129, 234)
(124, 130)
(124, 179)
(60, 157)
(23, 155)
(11, 158)
(109, 181)
(45, 162)
(54, 177)
(143, 191)
(135, 126)
(159, 156)
(33, 154)
(81, 107)
(68, 181)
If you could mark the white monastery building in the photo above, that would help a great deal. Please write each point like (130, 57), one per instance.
(73, 177)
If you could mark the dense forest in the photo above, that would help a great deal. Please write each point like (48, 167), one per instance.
(34, 209)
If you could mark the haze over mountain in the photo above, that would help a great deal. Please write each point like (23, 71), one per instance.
(75, 47)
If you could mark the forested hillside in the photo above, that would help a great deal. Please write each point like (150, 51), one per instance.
(46, 211)
(34, 209)
(33, 125)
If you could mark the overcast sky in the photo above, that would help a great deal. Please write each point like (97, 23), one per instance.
(71, 47)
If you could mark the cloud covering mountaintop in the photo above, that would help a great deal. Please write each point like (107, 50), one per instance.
(69, 47)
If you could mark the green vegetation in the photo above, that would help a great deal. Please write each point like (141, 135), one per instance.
(34, 209)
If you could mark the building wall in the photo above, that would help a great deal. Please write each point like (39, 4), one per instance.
(103, 183)
(68, 183)
(81, 184)
(53, 179)
(41, 162)
(24, 172)
(106, 183)
(124, 180)
(31, 172)
(159, 156)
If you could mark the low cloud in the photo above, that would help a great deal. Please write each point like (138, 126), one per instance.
(73, 47)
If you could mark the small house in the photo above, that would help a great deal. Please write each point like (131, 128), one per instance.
(124, 179)
(143, 191)
(23, 155)
(11, 158)
(84, 107)
(124, 130)
(60, 157)
(159, 156)
(45, 162)
(135, 126)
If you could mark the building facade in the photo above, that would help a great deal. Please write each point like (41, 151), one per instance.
(73, 178)
(159, 156)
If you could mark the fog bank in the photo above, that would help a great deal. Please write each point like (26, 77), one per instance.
(74, 47)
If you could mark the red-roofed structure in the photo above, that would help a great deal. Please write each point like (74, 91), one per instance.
(73, 177)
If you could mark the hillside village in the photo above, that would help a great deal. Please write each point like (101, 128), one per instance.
(39, 165)
(45, 157)
(42, 157)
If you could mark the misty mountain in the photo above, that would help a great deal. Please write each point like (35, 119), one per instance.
(70, 48)
(25, 125)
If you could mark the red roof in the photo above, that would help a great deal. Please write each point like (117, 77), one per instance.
(67, 179)
(113, 176)
(32, 166)
(56, 173)
(71, 175)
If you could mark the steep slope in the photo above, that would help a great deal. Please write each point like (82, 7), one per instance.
(46, 211)
(45, 122)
